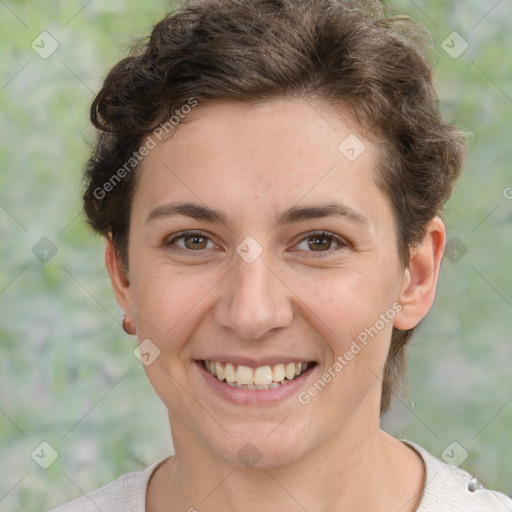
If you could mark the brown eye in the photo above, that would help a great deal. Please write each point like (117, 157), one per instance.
(320, 242)
(195, 242)
(189, 242)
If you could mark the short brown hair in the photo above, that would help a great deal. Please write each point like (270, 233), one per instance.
(352, 55)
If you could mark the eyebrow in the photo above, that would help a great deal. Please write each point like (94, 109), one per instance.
(293, 214)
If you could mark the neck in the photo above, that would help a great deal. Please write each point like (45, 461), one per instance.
(363, 469)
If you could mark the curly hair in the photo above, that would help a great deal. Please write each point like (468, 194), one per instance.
(354, 56)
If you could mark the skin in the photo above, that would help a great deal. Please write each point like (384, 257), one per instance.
(252, 163)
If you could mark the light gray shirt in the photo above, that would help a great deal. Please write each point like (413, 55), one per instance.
(447, 489)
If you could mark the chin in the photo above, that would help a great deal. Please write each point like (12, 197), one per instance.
(259, 448)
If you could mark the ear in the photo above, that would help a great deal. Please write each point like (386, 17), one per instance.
(418, 285)
(120, 282)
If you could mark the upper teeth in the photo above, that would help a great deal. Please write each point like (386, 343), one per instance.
(264, 376)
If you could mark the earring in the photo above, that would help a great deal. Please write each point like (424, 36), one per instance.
(126, 327)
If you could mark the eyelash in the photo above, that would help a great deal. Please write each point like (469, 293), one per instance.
(326, 234)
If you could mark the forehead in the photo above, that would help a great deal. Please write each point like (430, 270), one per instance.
(287, 127)
(267, 155)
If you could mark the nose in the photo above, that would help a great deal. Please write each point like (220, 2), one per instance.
(254, 301)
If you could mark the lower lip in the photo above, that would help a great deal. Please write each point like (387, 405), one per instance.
(254, 396)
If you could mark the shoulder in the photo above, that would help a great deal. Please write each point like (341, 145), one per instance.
(451, 489)
(127, 493)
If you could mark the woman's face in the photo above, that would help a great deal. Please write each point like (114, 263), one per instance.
(254, 285)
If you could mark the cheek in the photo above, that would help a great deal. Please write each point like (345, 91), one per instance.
(356, 321)
(168, 303)
(169, 306)
(348, 302)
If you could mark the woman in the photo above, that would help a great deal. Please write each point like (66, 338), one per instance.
(269, 178)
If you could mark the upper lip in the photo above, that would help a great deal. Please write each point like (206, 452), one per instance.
(257, 362)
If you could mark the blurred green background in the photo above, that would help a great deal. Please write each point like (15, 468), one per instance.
(68, 375)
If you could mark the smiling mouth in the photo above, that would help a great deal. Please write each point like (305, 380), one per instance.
(260, 378)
